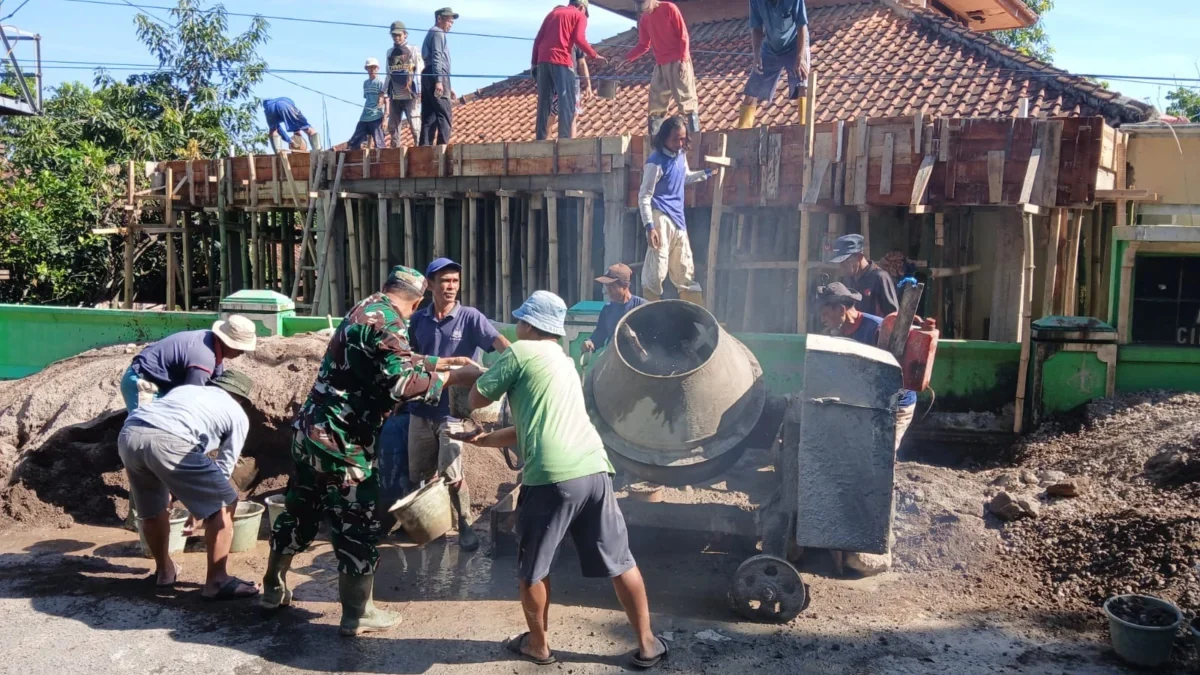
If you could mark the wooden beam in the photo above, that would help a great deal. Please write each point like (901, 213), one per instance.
(586, 223)
(1125, 290)
(1071, 264)
(1050, 302)
(410, 244)
(726, 162)
(169, 220)
(439, 226)
(864, 228)
(530, 255)
(714, 227)
(352, 244)
(921, 182)
(326, 279)
(505, 262)
(552, 238)
(943, 272)
(995, 170)
(186, 252)
(127, 299)
(889, 152)
(384, 268)
(1031, 174)
(252, 184)
(1026, 305)
(1126, 195)
(472, 254)
(802, 274)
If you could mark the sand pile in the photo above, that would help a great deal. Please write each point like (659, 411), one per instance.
(58, 430)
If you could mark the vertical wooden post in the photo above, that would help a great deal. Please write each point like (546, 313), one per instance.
(439, 225)
(410, 245)
(464, 253)
(505, 260)
(384, 269)
(552, 238)
(1026, 305)
(1071, 266)
(353, 249)
(223, 175)
(255, 261)
(471, 257)
(1095, 241)
(1049, 298)
(714, 227)
(937, 302)
(169, 221)
(802, 272)
(587, 276)
(365, 259)
(530, 280)
(187, 259)
(130, 231)
(244, 247)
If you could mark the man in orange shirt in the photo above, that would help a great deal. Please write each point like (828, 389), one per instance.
(662, 27)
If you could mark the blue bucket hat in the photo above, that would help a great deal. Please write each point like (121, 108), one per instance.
(544, 311)
(439, 265)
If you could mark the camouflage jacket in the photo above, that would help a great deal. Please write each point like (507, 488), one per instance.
(368, 369)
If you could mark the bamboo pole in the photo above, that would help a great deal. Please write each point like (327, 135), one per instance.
(586, 273)
(714, 226)
(802, 273)
(471, 256)
(244, 248)
(410, 244)
(130, 231)
(169, 219)
(353, 249)
(505, 266)
(383, 241)
(1071, 267)
(1026, 304)
(439, 226)
(530, 282)
(187, 260)
(552, 238)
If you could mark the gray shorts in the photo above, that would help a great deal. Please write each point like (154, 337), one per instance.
(160, 465)
(587, 509)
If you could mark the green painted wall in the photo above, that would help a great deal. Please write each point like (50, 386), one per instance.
(1142, 367)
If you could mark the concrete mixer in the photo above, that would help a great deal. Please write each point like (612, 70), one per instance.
(678, 401)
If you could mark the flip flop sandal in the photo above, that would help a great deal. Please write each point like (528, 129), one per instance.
(515, 643)
(154, 578)
(228, 591)
(643, 663)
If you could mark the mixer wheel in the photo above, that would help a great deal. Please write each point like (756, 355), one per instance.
(768, 589)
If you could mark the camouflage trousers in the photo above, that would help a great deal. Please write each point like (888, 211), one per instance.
(350, 508)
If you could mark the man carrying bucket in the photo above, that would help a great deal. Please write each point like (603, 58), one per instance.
(164, 446)
(368, 368)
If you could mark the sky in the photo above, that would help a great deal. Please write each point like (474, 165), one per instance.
(1108, 37)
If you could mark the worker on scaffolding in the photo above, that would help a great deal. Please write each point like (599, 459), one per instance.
(662, 28)
(403, 63)
(437, 96)
(285, 121)
(563, 31)
(661, 203)
(375, 106)
(368, 369)
(779, 40)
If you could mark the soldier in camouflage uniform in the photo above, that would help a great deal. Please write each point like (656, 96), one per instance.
(368, 369)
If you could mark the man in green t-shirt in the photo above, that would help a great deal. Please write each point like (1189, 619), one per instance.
(567, 481)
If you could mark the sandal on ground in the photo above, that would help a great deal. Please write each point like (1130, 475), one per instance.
(229, 590)
(643, 663)
(154, 578)
(515, 645)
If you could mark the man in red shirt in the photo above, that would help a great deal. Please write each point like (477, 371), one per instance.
(662, 27)
(563, 30)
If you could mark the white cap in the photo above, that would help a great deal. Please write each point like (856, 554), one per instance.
(372, 62)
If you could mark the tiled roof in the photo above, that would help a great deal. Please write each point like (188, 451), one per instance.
(873, 57)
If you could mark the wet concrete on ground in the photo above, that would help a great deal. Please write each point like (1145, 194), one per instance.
(78, 600)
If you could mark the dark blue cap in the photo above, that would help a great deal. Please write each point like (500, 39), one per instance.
(439, 265)
(845, 247)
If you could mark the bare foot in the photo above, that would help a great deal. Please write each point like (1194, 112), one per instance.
(168, 577)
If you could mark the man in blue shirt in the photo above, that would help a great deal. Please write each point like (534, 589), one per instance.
(621, 301)
(284, 120)
(840, 317)
(779, 40)
(375, 105)
(189, 357)
(446, 328)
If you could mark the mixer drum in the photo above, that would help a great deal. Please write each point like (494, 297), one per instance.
(674, 396)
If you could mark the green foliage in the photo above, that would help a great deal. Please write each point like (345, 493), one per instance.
(61, 169)
(1184, 102)
(1033, 41)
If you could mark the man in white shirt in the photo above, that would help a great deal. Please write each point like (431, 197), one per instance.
(164, 446)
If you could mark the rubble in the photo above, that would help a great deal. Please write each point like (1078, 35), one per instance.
(1007, 507)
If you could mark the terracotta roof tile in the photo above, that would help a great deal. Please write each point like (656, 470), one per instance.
(872, 59)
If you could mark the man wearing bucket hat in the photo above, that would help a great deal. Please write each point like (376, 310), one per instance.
(368, 368)
(375, 105)
(403, 63)
(859, 274)
(436, 93)
(189, 357)
(164, 446)
(662, 28)
(566, 485)
(446, 328)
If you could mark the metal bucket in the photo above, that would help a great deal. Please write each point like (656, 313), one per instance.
(247, 521)
(425, 514)
(275, 508)
(607, 88)
(1146, 646)
(176, 542)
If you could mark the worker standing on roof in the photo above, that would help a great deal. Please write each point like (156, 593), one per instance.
(779, 38)
(375, 103)
(403, 63)
(563, 29)
(662, 28)
(859, 274)
(661, 204)
(446, 328)
(368, 369)
(437, 95)
(284, 119)
(189, 357)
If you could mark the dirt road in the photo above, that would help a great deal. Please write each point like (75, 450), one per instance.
(77, 600)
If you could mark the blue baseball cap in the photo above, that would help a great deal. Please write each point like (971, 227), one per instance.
(544, 311)
(846, 246)
(439, 265)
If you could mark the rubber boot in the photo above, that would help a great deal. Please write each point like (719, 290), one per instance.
(654, 125)
(461, 499)
(277, 145)
(315, 141)
(746, 116)
(694, 122)
(359, 613)
(275, 593)
(802, 106)
(694, 297)
(650, 296)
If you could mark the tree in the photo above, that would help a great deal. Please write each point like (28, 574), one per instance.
(1184, 102)
(1032, 41)
(60, 170)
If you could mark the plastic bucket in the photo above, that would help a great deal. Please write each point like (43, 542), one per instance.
(274, 509)
(607, 88)
(425, 514)
(247, 520)
(176, 541)
(1147, 646)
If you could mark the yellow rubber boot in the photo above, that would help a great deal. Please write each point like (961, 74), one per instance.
(802, 106)
(746, 116)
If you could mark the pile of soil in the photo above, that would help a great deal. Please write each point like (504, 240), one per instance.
(58, 431)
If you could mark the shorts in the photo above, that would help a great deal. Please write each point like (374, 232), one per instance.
(762, 85)
(432, 452)
(287, 121)
(160, 464)
(676, 81)
(587, 509)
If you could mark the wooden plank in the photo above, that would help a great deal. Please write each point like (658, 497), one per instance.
(586, 223)
(714, 227)
(410, 245)
(802, 274)
(186, 252)
(127, 296)
(169, 220)
(384, 268)
(921, 183)
(252, 186)
(889, 152)
(326, 281)
(1026, 305)
(530, 254)
(770, 167)
(995, 169)
(1031, 174)
(439, 225)
(1127, 195)
(813, 192)
(552, 238)
(505, 262)
(1071, 263)
(864, 228)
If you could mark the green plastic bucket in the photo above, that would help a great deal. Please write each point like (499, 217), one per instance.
(1147, 646)
(175, 542)
(247, 520)
(275, 508)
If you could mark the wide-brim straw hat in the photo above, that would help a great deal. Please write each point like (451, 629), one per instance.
(237, 332)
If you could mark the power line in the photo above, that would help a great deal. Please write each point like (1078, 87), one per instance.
(13, 13)
(315, 91)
